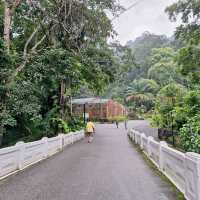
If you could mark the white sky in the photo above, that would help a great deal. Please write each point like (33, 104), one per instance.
(147, 15)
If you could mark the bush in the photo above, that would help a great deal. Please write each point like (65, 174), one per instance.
(117, 118)
(190, 134)
(76, 124)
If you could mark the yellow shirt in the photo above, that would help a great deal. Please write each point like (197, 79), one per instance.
(90, 127)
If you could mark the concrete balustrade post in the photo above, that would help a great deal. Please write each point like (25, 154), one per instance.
(150, 138)
(61, 136)
(129, 133)
(161, 156)
(133, 134)
(140, 139)
(79, 135)
(72, 138)
(82, 134)
(192, 176)
(45, 148)
(142, 144)
(136, 137)
(21, 146)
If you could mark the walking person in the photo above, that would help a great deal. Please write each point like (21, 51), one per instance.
(117, 124)
(125, 124)
(90, 130)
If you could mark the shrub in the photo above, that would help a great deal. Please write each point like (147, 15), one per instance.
(117, 118)
(190, 134)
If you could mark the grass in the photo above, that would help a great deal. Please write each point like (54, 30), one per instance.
(178, 194)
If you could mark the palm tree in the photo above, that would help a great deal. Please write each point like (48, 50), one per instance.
(142, 92)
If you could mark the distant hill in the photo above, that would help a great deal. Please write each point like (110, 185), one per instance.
(142, 48)
(143, 45)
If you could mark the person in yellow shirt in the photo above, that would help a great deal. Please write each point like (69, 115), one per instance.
(89, 130)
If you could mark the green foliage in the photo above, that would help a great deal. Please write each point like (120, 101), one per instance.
(186, 110)
(188, 60)
(62, 125)
(190, 134)
(169, 97)
(143, 46)
(136, 59)
(163, 68)
(117, 119)
(57, 48)
(76, 124)
(1, 20)
(145, 86)
(6, 67)
(188, 11)
(142, 93)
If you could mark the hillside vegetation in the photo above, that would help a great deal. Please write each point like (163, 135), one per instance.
(163, 80)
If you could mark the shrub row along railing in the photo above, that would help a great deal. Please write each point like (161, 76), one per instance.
(22, 155)
(182, 169)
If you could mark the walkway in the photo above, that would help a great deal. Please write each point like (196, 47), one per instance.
(145, 127)
(108, 169)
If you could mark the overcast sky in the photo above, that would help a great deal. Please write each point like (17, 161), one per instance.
(147, 15)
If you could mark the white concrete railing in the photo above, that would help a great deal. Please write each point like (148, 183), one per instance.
(182, 169)
(22, 155)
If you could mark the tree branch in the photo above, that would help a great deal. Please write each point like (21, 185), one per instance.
(38, 43)
(29, 40)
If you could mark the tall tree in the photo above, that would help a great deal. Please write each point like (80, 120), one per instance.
(9, 9)
(189, 32)
(188, 11)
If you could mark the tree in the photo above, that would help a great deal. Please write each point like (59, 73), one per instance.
(9, 9)
(124, 64)
(163, 68)
(142, 92)
(56, 47)
(189, 13)
(167, 99)
(135, 59)
(188, 60)
(70, 24)
(6, 67)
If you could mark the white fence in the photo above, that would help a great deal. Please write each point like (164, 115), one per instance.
(183, 169)
(22, 155)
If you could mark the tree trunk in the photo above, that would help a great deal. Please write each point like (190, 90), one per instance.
(7, 25)
(62, 98)
(71, 105)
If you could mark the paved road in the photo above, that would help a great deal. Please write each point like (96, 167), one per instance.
(107, 169)
(143, 126)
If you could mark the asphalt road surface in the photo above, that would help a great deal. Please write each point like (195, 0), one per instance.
(143, 126)
(107, 169)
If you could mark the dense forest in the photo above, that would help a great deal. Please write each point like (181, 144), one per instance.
(51, 51)
(139, 64)
(163, 80)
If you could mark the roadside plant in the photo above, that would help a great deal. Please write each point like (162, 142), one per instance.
(190, 134)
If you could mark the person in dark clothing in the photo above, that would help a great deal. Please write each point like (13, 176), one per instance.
(117, 124)
(125, 124)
